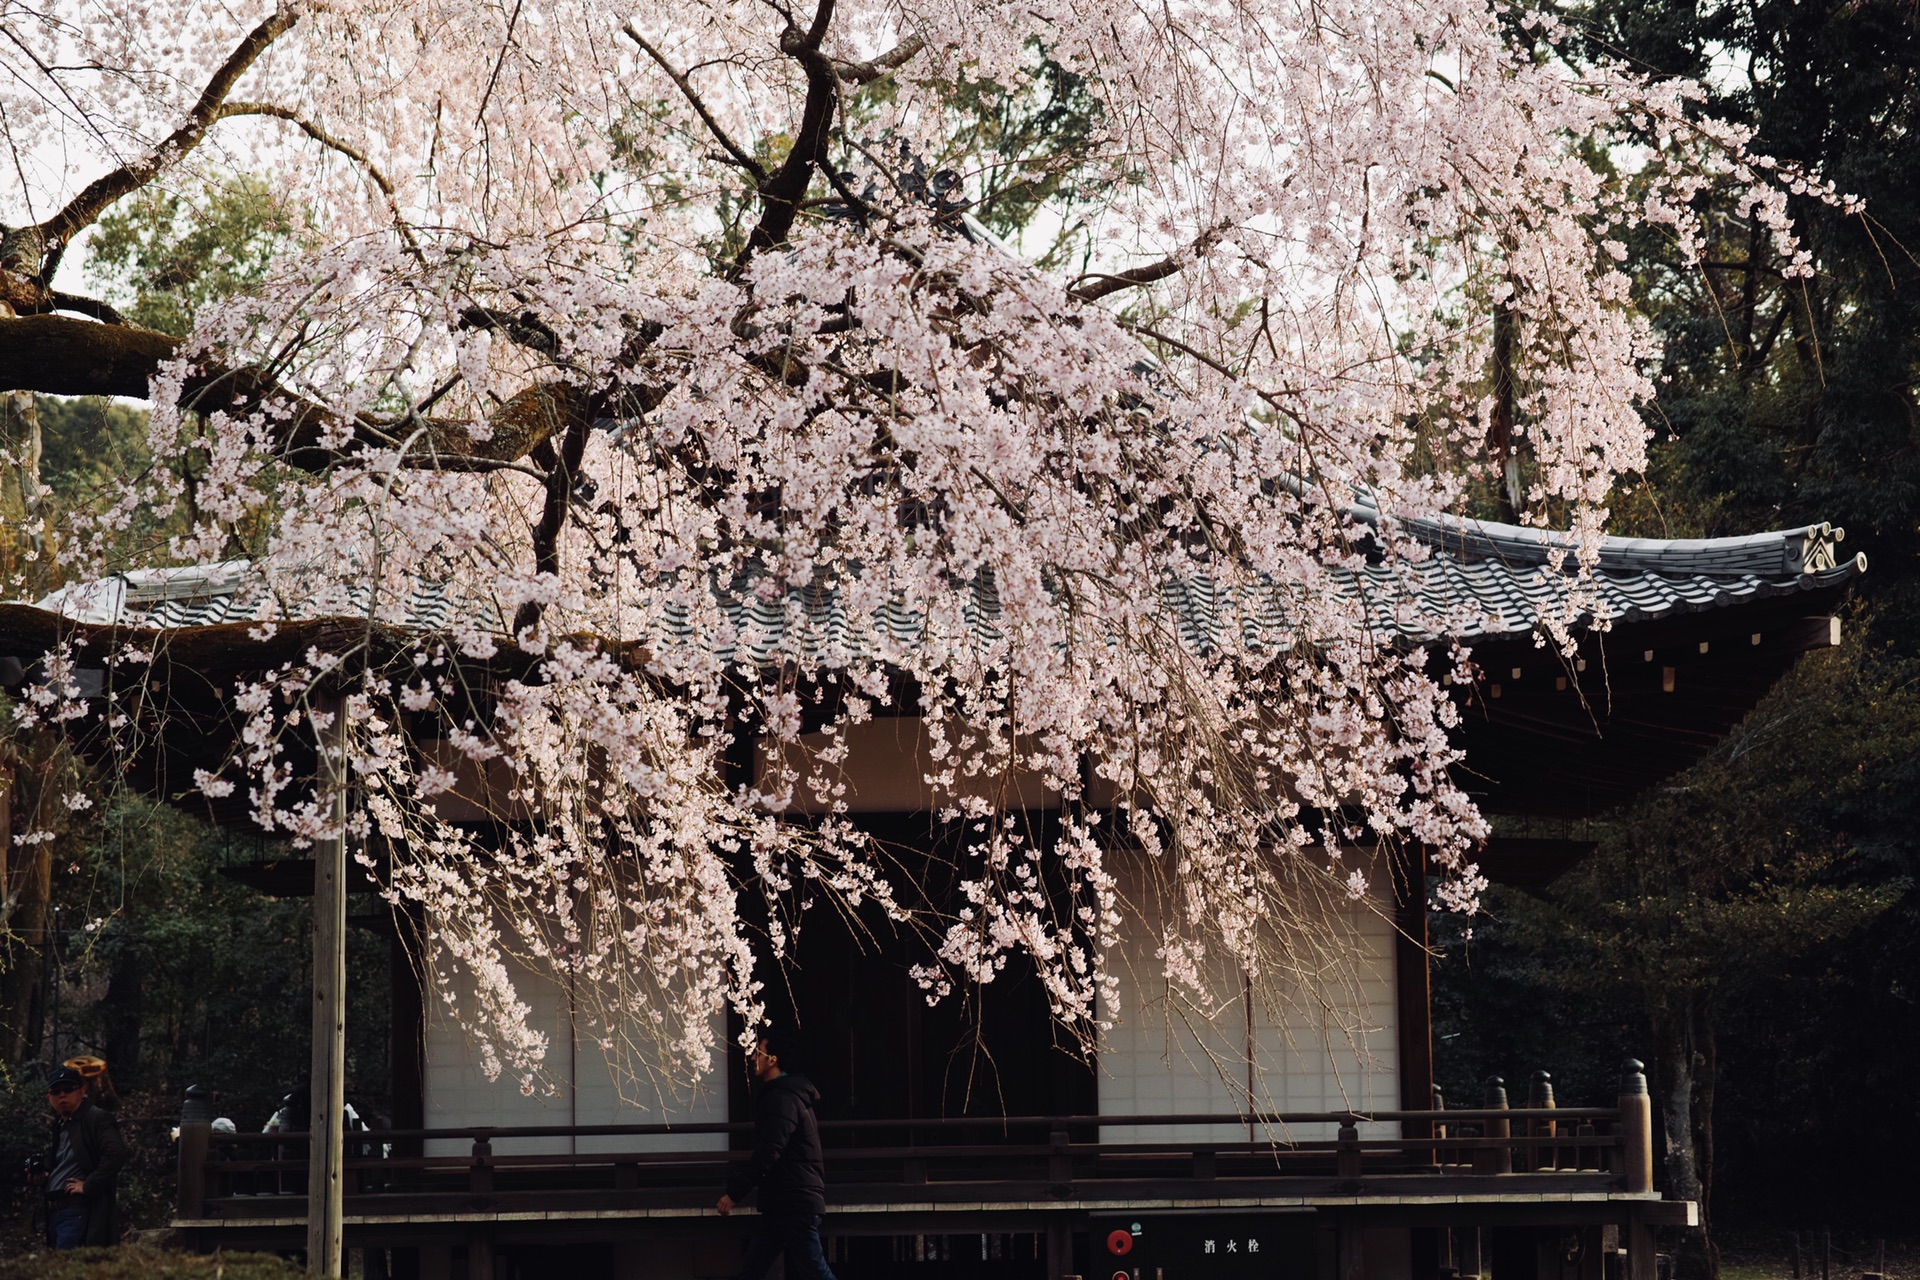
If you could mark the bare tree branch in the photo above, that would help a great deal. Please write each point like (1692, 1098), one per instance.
(526, 329)
(328, 140)
(84, 208)
(874, 68)
(1099, 284)
(742, 157)
(58, 301)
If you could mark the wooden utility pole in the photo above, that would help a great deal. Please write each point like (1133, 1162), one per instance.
(325, 1185)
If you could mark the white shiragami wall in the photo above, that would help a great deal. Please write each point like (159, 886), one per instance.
(580, 1085)
(1321, 1038)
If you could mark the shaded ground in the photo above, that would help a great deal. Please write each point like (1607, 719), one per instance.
(1770, 1256)
(136, 1262)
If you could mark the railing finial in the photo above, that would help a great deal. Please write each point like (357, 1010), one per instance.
(197, 1106)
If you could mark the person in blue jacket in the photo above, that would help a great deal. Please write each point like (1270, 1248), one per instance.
(786, 1170)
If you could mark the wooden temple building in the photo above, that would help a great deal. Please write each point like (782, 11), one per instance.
(962, 1143)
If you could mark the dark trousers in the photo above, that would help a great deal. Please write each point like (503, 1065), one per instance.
(796, 1236)
(66, 1224)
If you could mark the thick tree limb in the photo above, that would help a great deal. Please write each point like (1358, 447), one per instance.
(59, 355)
(84, 208)
(526, 329)
(782, 192)
(62, 356)
(564, 466)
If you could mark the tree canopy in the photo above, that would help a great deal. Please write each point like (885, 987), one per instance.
(669, 350)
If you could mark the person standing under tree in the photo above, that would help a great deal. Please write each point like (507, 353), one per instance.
(83, 1166)
(787, 1167)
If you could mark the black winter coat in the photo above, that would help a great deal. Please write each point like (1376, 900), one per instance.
(102, 1152)
(787, 1166)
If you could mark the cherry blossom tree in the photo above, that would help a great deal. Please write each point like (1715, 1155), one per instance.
(667, 352)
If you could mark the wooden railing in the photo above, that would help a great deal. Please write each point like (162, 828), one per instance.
(977, 1159)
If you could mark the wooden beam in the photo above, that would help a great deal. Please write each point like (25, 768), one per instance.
(1413, 995)
(325, 1185)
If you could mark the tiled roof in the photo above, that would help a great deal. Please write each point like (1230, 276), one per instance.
(1481, 580)
(1485, 579)
(203, 595)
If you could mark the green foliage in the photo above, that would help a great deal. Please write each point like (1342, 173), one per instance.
(203, 980)
(24, 1117)
(89, 444)
(1031, 148)
(135, 1262)
(167, 254)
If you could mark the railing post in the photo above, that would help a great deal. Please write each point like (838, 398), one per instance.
(1636, 1127)
(1540, 1098)
(1347, 1152)
(1206, 1164)
(480, 1172)
(1495, 1159)
(196, 1136)
(1059, 1162)
(1441, 1156)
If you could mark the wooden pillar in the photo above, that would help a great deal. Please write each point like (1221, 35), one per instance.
(480, 1260)
(1352, 1264)
(1347, 1152)
(1636, 1127)
(1413, 997)
(325, 1185)
(1637, 1236)
(1059, 1247)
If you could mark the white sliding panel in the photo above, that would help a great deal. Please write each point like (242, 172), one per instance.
(1320, 1037)
(578, 1087)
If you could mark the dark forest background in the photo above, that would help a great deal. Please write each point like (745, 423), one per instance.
(1752, 929)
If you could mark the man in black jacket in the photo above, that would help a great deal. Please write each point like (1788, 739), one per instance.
(787, 1167)
(83, 1166)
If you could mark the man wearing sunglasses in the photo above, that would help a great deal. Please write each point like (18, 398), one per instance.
(84, 1165)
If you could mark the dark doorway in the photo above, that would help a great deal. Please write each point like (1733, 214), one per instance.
(876, 1049)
